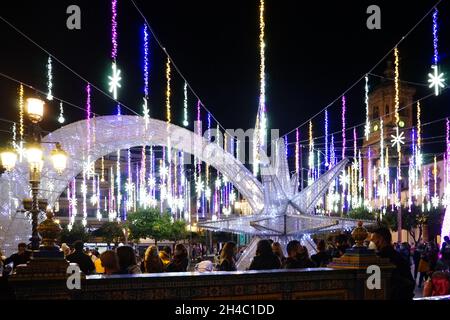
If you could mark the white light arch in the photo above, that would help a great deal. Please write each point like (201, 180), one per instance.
(109, 134)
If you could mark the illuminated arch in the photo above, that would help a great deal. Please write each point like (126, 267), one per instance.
(111, 134)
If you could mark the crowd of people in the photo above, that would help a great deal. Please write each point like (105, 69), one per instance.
(418, 265)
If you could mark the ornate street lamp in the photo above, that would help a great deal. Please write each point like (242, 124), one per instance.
(8, 158)
(59, 158)
(35, 157)
(35, 110)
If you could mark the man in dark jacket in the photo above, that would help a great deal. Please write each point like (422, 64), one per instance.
(402, 282)
(21, 257)
(445, 251)
(298, 257)
(83, 260)
(322, 258)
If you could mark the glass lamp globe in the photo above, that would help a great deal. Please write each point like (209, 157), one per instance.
(59, 159)
(8, 158)
(34, 156)
(35, 109)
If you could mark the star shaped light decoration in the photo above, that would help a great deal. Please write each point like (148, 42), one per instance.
(344, 179)
(199, 187)
(114, 80)
(398, 139)
(436, 80)
(435, 201)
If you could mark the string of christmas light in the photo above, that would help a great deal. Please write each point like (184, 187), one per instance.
(49, 79)
(99, 214)
(142, 177)
(297, 153)
(119, 184)
(344, 109)
(146, 111)
(115, 78)
(397, 87)
(369, 175)
(436, 79)
(111, 214)
(447, 134)
(84, 194)
(435, 198)
(168, 91)
(332, 153)
(21, 123)
(129, 183)
(326, 139)
(366, 101)
(61, 118)
(382, 191)
(102, 177)
(88, 122)
(311, 155)
(185, 106)
(114, 29)
(169, 120)
(262, 76)
(14, 135)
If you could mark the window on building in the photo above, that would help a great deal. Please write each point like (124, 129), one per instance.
(376, 112)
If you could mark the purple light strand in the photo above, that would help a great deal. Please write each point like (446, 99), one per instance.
(326, 138)
(88, 116)
(114, 30)
(344, 107)
(146, 61)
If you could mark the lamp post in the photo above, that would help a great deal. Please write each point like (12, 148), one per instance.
(35, 157)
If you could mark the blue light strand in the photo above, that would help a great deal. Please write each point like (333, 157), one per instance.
(435, 36)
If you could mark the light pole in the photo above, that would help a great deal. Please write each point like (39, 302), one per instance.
(35, 157)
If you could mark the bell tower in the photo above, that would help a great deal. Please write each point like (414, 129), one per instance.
(382, 106)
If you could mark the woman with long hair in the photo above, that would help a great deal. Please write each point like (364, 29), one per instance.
(278, 251)
(227, 261)
(110, 262)
(127, 260)
(265, 259)
(180, 260)
(152, 261)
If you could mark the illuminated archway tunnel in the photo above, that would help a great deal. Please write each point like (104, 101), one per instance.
(112, 133)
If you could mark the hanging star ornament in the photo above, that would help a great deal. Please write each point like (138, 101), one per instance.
(436, 80)
(115, 79)
(398, 139)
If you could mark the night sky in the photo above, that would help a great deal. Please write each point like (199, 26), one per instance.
(315, 51)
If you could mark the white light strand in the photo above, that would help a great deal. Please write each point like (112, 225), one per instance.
(49, 79)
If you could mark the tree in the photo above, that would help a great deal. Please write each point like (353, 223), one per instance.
(149, 223)
(178, 230)
(362, 214)
(111, 232)
(78, 232)
(414, 219)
